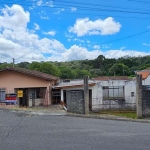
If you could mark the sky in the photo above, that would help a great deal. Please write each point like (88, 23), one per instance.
(65, 30)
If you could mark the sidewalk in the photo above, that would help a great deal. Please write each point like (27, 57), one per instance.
(110, 117)
(52, 110)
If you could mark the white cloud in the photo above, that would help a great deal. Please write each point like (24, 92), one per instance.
(50, 4)
(39, 3)
(122, 53)
(145, 44)
(103, 27)
(52, 33)
(73, 9)
(37, 27)
(58, 12)
(96, 46)
(17, 41)
(14, 18)
(75, 53)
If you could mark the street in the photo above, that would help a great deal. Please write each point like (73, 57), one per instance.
(19, 131)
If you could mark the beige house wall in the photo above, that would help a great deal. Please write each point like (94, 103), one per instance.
(10, 80)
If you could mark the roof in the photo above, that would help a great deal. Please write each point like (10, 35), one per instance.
(32, 73)
(73, 83)
(144, 74)
(106, 78)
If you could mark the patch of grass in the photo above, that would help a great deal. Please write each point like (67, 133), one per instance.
(127, 114)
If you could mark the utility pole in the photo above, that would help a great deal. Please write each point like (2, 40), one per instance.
(13, 62)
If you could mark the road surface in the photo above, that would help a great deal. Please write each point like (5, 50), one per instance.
(19, 131)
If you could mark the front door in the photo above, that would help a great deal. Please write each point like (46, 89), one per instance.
(23, 101)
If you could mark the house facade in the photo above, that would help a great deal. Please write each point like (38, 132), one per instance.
(114, 93)
(35, 87)
(104, 92)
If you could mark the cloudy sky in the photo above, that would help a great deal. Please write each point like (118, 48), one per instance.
(63, 30)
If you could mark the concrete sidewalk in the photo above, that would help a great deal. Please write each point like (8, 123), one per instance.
(52, 110)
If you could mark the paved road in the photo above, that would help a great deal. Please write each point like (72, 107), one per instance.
(33, 132)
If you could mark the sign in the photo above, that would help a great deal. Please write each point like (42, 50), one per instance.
(20, 93)
(11, 98)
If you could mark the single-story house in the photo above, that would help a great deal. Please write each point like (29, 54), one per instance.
(27, 87)
(104, 92)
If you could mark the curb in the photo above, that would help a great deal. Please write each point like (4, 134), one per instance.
(109, 118)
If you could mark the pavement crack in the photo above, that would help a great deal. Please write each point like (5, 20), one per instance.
(8, 133)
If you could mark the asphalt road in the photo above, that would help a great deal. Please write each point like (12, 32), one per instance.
(33, 132)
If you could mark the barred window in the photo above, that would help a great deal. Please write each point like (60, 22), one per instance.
(113, 92)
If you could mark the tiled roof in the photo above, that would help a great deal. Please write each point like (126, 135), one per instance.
(144, 74)
(32, 73)
(106, 78)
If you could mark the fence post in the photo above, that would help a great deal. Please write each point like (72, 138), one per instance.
(139, 110)
(86, 95)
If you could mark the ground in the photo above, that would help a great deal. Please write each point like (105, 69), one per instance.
(22, 131)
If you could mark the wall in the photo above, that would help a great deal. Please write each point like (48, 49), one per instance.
(75, 101)
(99, 103)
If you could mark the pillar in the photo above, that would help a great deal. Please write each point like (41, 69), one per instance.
(86, 95)
(139, 110)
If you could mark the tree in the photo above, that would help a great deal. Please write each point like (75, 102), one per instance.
(119, 70)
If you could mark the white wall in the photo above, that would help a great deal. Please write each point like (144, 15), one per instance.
(97, 96)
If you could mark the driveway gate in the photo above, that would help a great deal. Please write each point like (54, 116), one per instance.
(146, 100)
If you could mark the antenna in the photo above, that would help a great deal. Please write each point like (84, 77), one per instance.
(13, 62)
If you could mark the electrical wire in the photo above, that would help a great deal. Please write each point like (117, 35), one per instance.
(139, 1)
(88, 8)
(127, 37)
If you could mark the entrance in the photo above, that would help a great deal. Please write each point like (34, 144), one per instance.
(23, 101)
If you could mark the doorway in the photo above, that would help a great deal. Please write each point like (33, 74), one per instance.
(23, 101)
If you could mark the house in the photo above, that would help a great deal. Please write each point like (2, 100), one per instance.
(27, 87)
(114, 92)
(73, 85)
(145, 76)
(104, 92)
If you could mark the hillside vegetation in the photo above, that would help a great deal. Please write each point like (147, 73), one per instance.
(101, 66)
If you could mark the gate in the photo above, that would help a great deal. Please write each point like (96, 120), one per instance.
(75, 101)
(146, 100)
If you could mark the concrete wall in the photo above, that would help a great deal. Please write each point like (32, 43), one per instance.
(97, 96)
(75, 101)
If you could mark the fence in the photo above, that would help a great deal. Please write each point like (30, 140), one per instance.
(98, 105)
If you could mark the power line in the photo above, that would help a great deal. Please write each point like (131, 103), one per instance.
(25, 4)
(127, 37)
(97, 5)
(139, 1)
(88, 8)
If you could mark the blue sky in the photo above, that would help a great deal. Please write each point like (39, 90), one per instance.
(64, 30)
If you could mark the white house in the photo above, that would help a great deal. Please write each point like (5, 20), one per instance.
(104, 92)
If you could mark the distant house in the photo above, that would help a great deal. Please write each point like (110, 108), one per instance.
(145, 76)
(35, 86)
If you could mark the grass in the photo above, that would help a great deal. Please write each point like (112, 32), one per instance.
(121, 113)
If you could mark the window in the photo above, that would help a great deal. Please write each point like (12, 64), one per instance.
(132, 94)
(2, 95)
(113, 92)
(38, 93)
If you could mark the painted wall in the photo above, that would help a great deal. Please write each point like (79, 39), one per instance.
(10, 80)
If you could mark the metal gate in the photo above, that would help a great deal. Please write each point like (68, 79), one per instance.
(146, 100)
